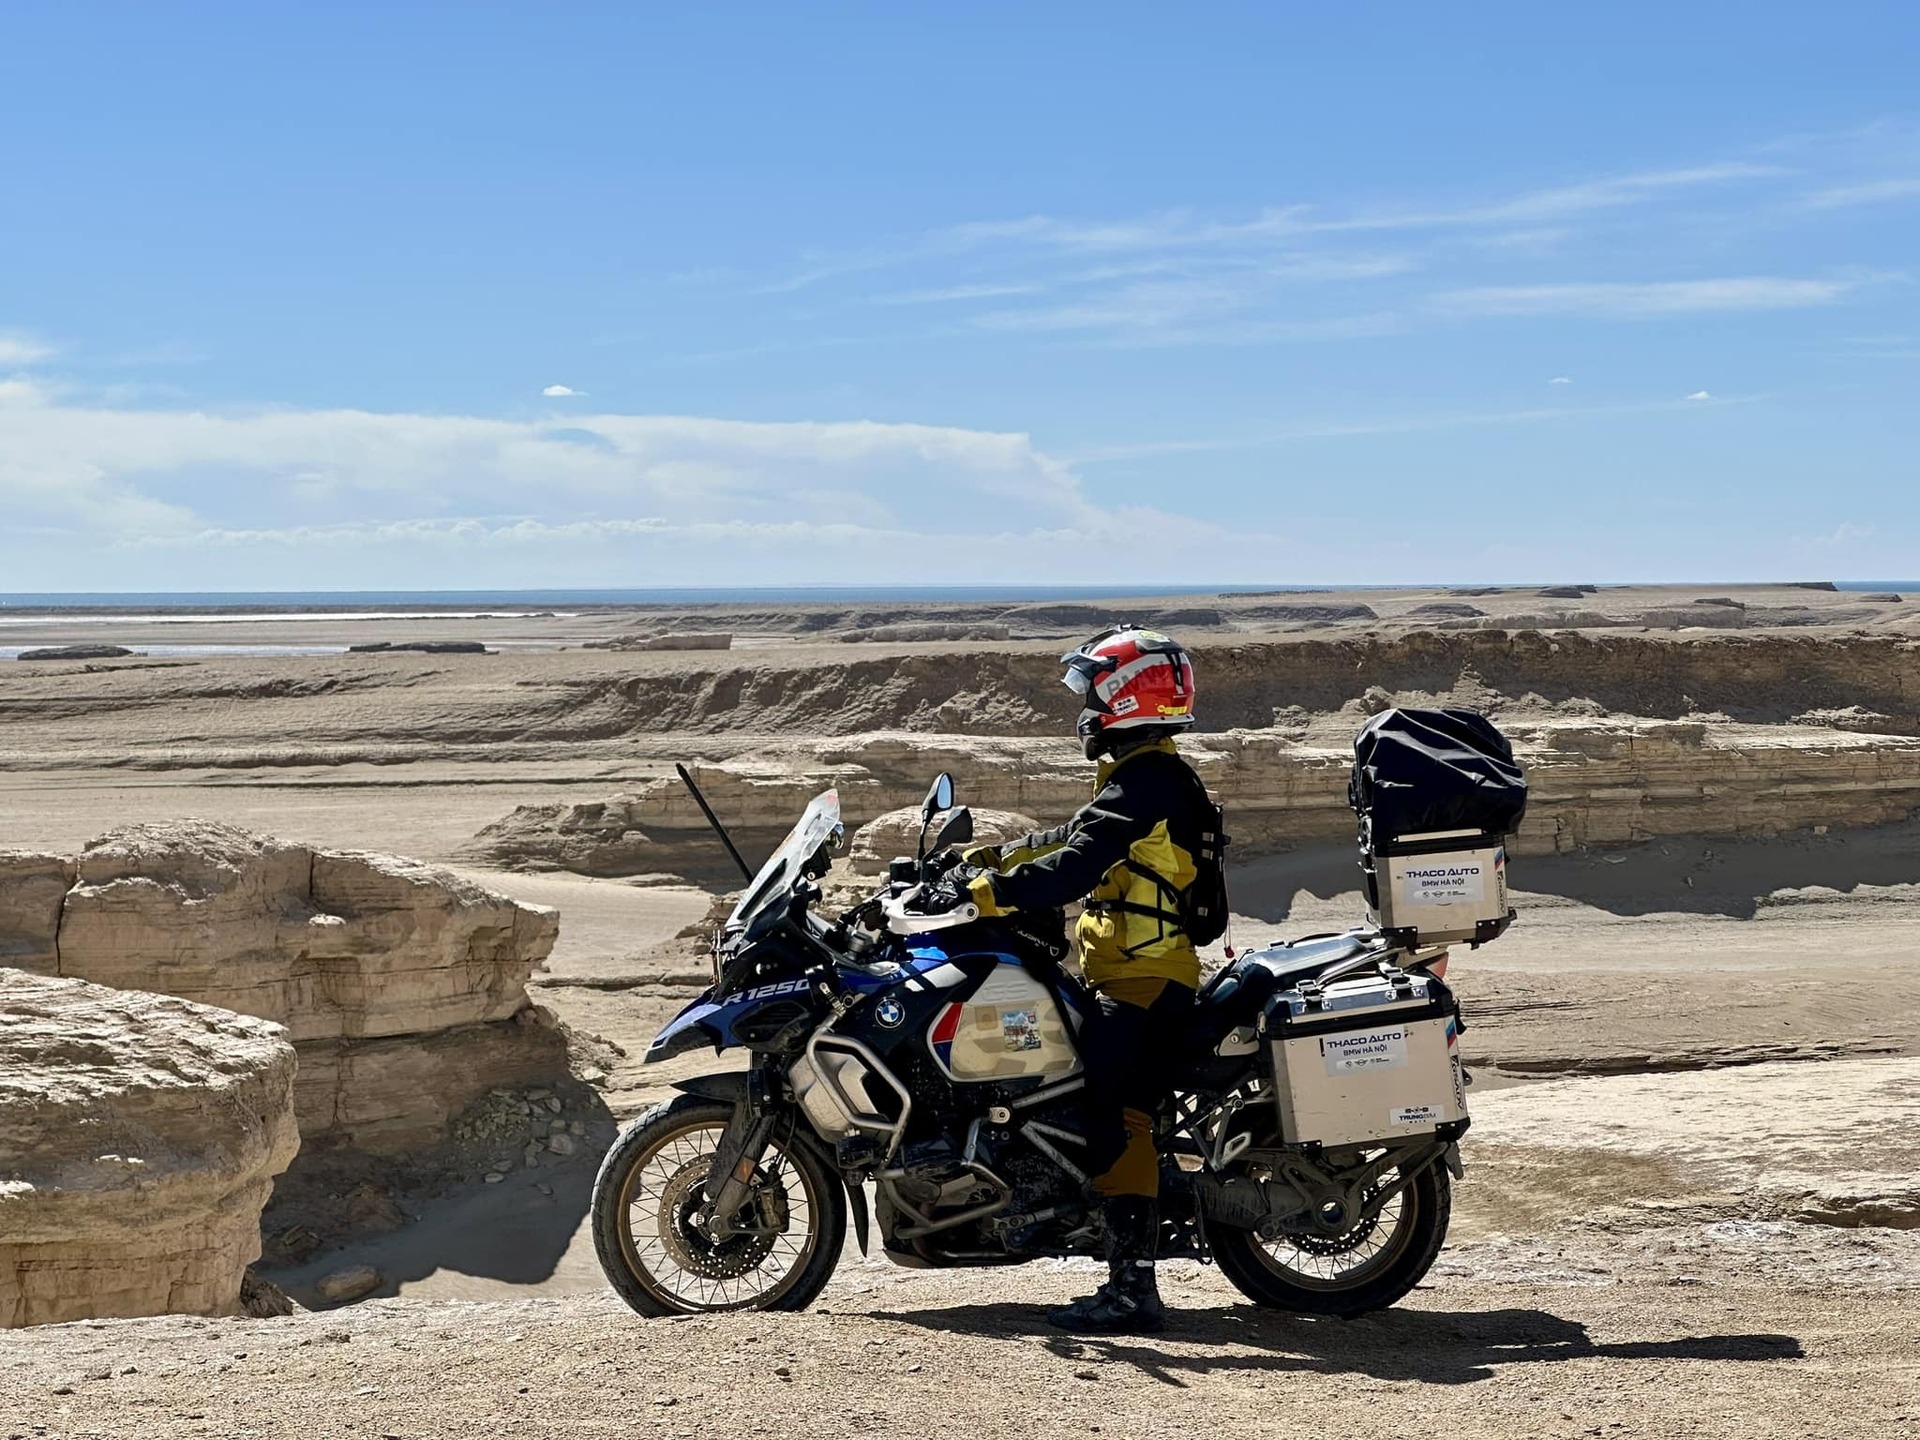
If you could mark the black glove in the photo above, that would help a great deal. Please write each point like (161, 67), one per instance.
(939, 863)
(948, 892)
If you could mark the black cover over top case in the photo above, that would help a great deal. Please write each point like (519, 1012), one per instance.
(1417, 771)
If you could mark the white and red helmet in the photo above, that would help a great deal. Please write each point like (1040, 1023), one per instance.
(1129, 679)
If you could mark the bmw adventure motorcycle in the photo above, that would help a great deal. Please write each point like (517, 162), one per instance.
(914, 1046)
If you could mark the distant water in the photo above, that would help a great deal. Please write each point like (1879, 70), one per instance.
(480, 603)
(484, 604)
(12, 652)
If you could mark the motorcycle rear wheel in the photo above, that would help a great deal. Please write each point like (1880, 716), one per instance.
(1274, 1274)
(662, 1262)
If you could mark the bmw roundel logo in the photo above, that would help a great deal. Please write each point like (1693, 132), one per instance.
(890, 1012)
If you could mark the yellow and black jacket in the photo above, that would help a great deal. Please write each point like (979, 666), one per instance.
(1145, 820)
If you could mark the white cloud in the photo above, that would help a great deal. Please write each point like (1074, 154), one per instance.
(1561, 202)
(1871, 193)
(1382, 425)
(1561, 380)
(1616, 300)
(17, 349)
(948, 294)
(560, 392)
(1700, 395)
(1180, 229)
(1845, 534)
(1218, 303)
(701, 500)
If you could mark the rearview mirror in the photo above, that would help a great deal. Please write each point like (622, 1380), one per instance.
(939, 797)
(957, 831)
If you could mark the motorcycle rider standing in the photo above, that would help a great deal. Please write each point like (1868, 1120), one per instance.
(1131, 855)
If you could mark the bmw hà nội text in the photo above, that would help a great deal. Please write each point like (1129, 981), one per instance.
(916, 1050)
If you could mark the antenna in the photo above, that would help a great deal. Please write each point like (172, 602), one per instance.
(713, 820)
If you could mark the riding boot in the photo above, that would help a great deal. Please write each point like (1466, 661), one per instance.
(1129, 1303)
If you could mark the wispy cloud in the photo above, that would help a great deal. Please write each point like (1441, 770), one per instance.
(1873, 347)
(1700, 395)
(560, 392)
(1846, 533)
(1561, 380)
(949, 294)
(1181, 276)
(1874, 192)
(1629, 300)
(1224, 303)
(1383, 425)
(18, 349)
(1562, 202)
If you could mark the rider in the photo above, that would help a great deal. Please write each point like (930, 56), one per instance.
(1130, 854)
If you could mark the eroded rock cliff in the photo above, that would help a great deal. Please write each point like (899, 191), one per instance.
(1595, 782)
(403, 986)
(139, 1138)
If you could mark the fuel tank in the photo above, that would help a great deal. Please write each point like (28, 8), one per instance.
(1009, 1028)
(980, 1013)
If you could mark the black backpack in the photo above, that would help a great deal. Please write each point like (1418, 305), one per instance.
(1201, 909)
(1203, 913)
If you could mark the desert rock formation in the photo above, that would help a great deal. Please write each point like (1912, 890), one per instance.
(898, 831)
(403, 986)
(139, 1138)
(1595, 782)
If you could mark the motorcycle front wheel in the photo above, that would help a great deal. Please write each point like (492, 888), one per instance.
(657, 1247)
(1366, 1268)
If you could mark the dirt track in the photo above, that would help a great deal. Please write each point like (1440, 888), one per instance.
(938, 1355)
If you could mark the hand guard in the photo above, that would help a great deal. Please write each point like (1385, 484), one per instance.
(955, 888)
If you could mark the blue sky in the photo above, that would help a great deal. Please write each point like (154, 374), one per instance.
(345, 296)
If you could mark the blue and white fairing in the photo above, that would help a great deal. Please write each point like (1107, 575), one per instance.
(706, 1022)
(920, 993)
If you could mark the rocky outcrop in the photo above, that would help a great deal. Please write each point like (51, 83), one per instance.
(657, 827)
(371, 962)
(420, 647)
(1594, 783)
(929, 631)
(1612, 783)
(675, 640)
(1761, 678)
(32, 889)
(139, 1138)
(898, 833)
(76, 652)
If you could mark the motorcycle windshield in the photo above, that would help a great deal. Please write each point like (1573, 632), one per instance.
(776, 877)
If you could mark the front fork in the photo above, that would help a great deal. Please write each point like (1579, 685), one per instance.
(737, 1157)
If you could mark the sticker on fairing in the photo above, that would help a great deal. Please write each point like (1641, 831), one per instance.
(1414, 1115)
(1020, 1029)
(1444, 884)
(1367, 1050)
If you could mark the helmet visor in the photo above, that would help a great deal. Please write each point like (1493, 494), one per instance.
(1083, 670)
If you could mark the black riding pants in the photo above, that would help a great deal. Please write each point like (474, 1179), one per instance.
(1129, 1044)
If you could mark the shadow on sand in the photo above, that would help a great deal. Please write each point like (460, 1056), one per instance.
(1677, 875)
(1437, 1347)
(515, 1231)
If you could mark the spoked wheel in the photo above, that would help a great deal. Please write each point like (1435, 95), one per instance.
(655, 1235)
(1336, 1267)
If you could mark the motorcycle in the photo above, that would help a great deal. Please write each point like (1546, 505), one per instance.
(915, 1046)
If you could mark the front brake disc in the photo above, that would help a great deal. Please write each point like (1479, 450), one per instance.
(684, 1232)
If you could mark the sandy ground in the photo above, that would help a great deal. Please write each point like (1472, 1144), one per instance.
(917, 1356)
(1610, 1299)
